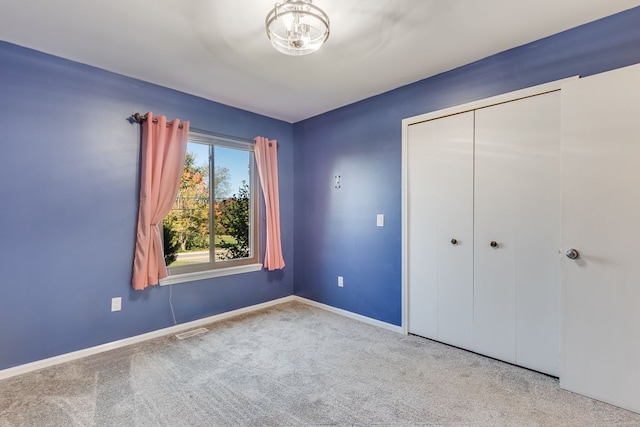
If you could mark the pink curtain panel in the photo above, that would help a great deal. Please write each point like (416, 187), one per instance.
(267, 161)
(164, 146)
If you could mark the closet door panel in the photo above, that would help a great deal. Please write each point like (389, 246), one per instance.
(517, 201)
(422, 228)
(495, 221)
(454, 209)
(440, 190)
(538, 236)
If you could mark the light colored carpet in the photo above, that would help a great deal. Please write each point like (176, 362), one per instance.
(295, 365)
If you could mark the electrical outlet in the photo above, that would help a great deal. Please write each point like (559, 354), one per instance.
(380, 220)
(116, 304)
(340, 281)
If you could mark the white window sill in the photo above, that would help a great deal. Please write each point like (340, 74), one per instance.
(200, 275)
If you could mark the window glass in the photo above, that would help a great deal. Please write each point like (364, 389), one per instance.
(213, 223)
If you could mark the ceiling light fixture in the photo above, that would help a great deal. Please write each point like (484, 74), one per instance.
(297, 27)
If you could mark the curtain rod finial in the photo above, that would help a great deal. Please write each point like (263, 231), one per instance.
(137, 117)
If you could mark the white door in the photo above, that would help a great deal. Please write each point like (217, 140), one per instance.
(517, 232)
(440, 229)
(601, 219)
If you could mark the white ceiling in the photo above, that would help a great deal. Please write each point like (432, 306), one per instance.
(218, 49)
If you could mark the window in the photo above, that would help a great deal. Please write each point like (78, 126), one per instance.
(213, 225)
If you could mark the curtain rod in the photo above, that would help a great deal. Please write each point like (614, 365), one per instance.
(139, 118)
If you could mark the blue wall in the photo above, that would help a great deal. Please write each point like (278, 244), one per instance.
(68, 186)
(335, 230)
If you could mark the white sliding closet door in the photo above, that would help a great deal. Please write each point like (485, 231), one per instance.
(440, 209)
(601, 220)
(517, 232)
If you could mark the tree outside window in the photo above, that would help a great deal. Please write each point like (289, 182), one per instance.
(199, 234)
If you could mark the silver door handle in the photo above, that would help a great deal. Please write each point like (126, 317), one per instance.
(572, 254)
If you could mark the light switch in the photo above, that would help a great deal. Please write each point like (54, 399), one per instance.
(380, 220)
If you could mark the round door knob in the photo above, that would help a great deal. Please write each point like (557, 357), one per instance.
(572, 254)
(493, 244)
(454, 242)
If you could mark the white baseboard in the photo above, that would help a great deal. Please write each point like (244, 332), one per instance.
(68, 357)
(350, 315)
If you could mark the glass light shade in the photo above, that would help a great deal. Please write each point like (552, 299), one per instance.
(297, 27)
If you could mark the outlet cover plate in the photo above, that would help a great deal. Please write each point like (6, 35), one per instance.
(116, 304)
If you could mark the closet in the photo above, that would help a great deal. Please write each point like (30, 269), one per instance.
(521, 215)
(483, 227)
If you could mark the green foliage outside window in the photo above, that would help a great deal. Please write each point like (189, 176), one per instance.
(234, 219)
(187, 226)
(188, 220)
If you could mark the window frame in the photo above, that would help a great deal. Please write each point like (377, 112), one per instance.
(213, 268)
